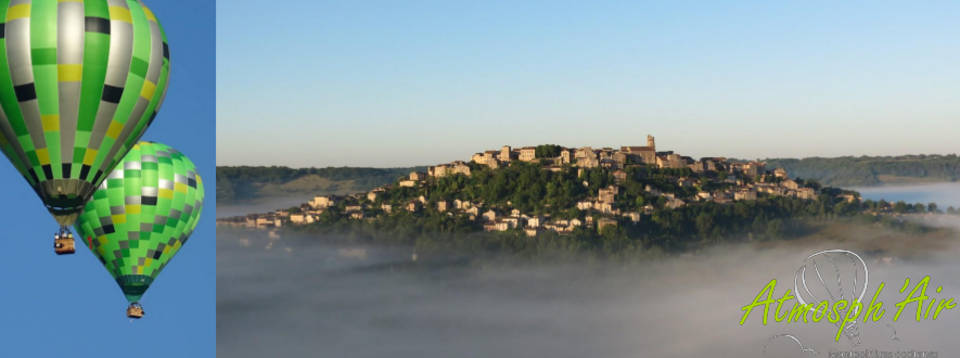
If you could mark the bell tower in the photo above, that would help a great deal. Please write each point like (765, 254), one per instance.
(651, 143)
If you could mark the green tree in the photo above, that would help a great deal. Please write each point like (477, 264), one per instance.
(547, 151)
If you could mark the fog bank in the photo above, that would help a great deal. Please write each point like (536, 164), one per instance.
(294, 296)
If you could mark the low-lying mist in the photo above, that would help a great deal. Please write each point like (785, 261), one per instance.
(298, 296)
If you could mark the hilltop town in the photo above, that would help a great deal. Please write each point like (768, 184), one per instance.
(599, 188)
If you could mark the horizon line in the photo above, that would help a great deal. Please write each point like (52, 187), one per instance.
(429, 165)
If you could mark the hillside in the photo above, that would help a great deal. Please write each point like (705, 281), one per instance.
(244, 183)
(871, 171)
(606, 200)
(602, 208)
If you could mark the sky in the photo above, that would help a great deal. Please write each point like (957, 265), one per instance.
(386, 83)
(58, 306)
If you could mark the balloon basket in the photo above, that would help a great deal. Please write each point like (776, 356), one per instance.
(63, 243)
(135, 311)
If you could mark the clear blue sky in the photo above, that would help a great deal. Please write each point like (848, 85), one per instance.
(390, 83)
(69, 306)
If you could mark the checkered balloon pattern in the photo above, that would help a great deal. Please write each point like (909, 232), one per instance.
(80, 81)
(142, 214)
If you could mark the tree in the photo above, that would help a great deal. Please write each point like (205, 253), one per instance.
(900, 207)
(705, 224)
(774, 228)
(919, 208)
(547, 151)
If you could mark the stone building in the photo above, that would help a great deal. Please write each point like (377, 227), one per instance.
(533, 222)
(673, 203)
(473, 210)
(528, 154)
(606, 208)
(604, 222)
(708, 164)
(745, 194)
(671, 160)
(806, 193)
(506, 154)
(696, 167)
(780, 173)
(608, 194)
(790, 184)
(705, 196)
(850, 198)
(488, 158)
(753, 169)
(454, 168)
(413, 206)
(587, 157)
(490, 215)
(565, 156)
(322, 202)
(584, 205)
(301, 219)
(496, 226)
(645, 154)
(585, 153)
(418, 176)
(375, 193)
(588, 162)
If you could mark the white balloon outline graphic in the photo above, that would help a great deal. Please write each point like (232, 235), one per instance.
(803, 349)
(801, 272)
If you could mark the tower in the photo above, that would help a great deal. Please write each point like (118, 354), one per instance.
(651, 143)
(505, 152)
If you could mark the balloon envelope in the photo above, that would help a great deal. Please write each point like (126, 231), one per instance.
(80, 81)
(142, 215)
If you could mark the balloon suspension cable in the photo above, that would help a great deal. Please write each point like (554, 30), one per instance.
(64, 232)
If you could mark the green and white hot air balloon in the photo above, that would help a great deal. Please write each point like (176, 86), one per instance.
(141, 216)
(80, 81)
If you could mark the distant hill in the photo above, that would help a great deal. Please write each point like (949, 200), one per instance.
(870, 171)
(244, 183)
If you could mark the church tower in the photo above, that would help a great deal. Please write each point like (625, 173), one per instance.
(651, 143)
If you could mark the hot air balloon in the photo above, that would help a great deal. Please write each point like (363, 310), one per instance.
(80, 81)
(141, 216)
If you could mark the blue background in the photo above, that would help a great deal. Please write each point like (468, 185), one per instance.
(69, 305)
